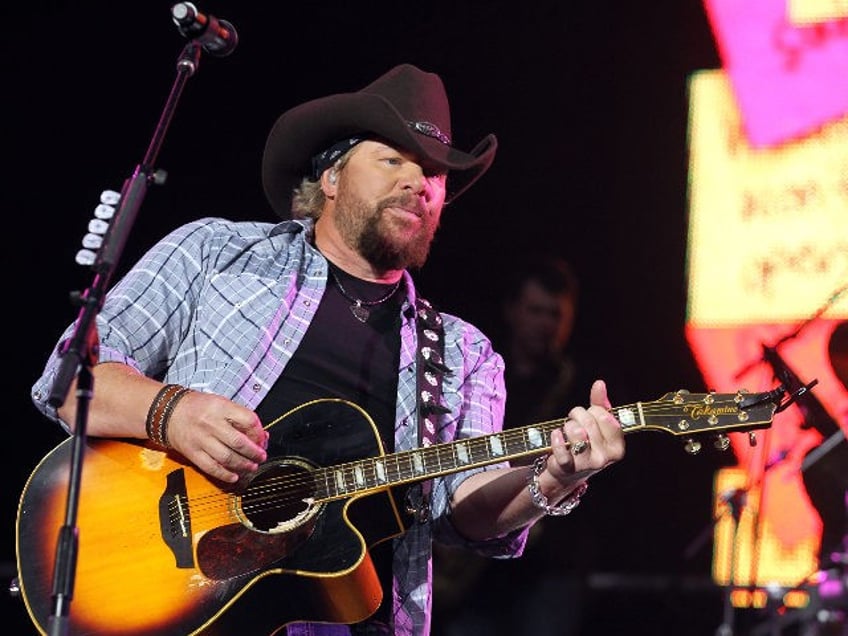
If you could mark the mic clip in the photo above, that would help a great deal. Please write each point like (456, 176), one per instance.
(793, 397)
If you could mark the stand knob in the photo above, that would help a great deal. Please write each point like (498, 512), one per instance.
(15, 587)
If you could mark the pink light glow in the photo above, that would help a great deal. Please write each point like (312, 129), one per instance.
(789, 79)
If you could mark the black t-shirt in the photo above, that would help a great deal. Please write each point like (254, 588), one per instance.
(342, 357)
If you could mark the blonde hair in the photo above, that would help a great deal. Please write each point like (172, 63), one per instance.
(308, 200)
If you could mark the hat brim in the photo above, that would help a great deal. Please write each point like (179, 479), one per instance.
(305, 130)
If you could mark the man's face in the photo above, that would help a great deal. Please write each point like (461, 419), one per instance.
(540, 322)
(387, 206)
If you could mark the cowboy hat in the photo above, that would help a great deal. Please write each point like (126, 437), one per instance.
(405, 106)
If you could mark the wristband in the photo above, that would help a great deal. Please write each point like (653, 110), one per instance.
(163, 405)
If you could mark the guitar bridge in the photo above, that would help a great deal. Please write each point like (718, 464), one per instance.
(175, 519)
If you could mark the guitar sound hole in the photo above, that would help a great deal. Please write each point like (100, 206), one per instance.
(280, 497)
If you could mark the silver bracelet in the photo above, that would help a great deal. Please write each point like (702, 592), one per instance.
(539, 499)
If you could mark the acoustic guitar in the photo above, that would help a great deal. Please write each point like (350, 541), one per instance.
(163, 550)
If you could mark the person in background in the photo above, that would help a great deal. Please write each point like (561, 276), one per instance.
(542, 374)
(539, 314)
(223, 326)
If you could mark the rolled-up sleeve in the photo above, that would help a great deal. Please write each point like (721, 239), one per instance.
(476, 397)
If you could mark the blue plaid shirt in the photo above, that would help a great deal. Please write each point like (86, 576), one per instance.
(221, 307)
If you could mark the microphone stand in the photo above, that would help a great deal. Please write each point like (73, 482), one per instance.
(735, 502)
(79, 353)
(814, 414)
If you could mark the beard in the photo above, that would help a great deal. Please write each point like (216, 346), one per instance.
(382, 240)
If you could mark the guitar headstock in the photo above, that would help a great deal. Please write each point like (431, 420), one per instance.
(689, 414)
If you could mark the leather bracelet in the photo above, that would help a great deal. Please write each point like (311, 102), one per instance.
(160, 411)
(540, 501)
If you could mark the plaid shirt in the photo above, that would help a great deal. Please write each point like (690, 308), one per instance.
(221, 307)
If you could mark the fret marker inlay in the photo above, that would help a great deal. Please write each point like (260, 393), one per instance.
(496, 446)
(535, 438)
(380, 469)
(418, 463)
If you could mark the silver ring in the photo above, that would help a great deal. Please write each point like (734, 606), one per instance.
(579, 447)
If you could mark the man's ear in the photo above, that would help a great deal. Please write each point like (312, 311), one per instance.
(328, 182)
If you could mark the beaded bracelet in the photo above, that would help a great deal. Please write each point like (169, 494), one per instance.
(161, 408)
(539, 499)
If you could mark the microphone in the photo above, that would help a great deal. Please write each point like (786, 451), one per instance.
(217, 37)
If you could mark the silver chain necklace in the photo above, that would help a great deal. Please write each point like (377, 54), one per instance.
(359, 308)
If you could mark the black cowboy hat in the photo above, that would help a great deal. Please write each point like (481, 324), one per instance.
(405, 106)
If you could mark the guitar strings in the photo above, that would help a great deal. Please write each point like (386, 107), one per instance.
(359, 477)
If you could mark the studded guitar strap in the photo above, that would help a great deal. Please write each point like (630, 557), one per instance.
(431, 370)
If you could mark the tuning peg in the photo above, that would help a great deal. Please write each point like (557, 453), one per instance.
(692, 446)
(722, 442)
(752, 439)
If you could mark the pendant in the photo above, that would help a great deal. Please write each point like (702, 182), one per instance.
(359, 312)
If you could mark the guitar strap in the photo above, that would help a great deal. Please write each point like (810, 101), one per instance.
(431, 369)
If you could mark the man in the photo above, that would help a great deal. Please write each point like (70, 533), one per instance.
(222, 327)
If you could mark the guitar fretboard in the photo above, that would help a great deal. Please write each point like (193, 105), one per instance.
(679, 413)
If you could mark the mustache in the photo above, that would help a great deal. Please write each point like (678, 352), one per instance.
(407, 202)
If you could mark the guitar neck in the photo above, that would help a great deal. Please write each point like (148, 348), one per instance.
(377, 473)
(679, 413)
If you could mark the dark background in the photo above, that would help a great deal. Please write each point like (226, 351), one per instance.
(589, 102)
